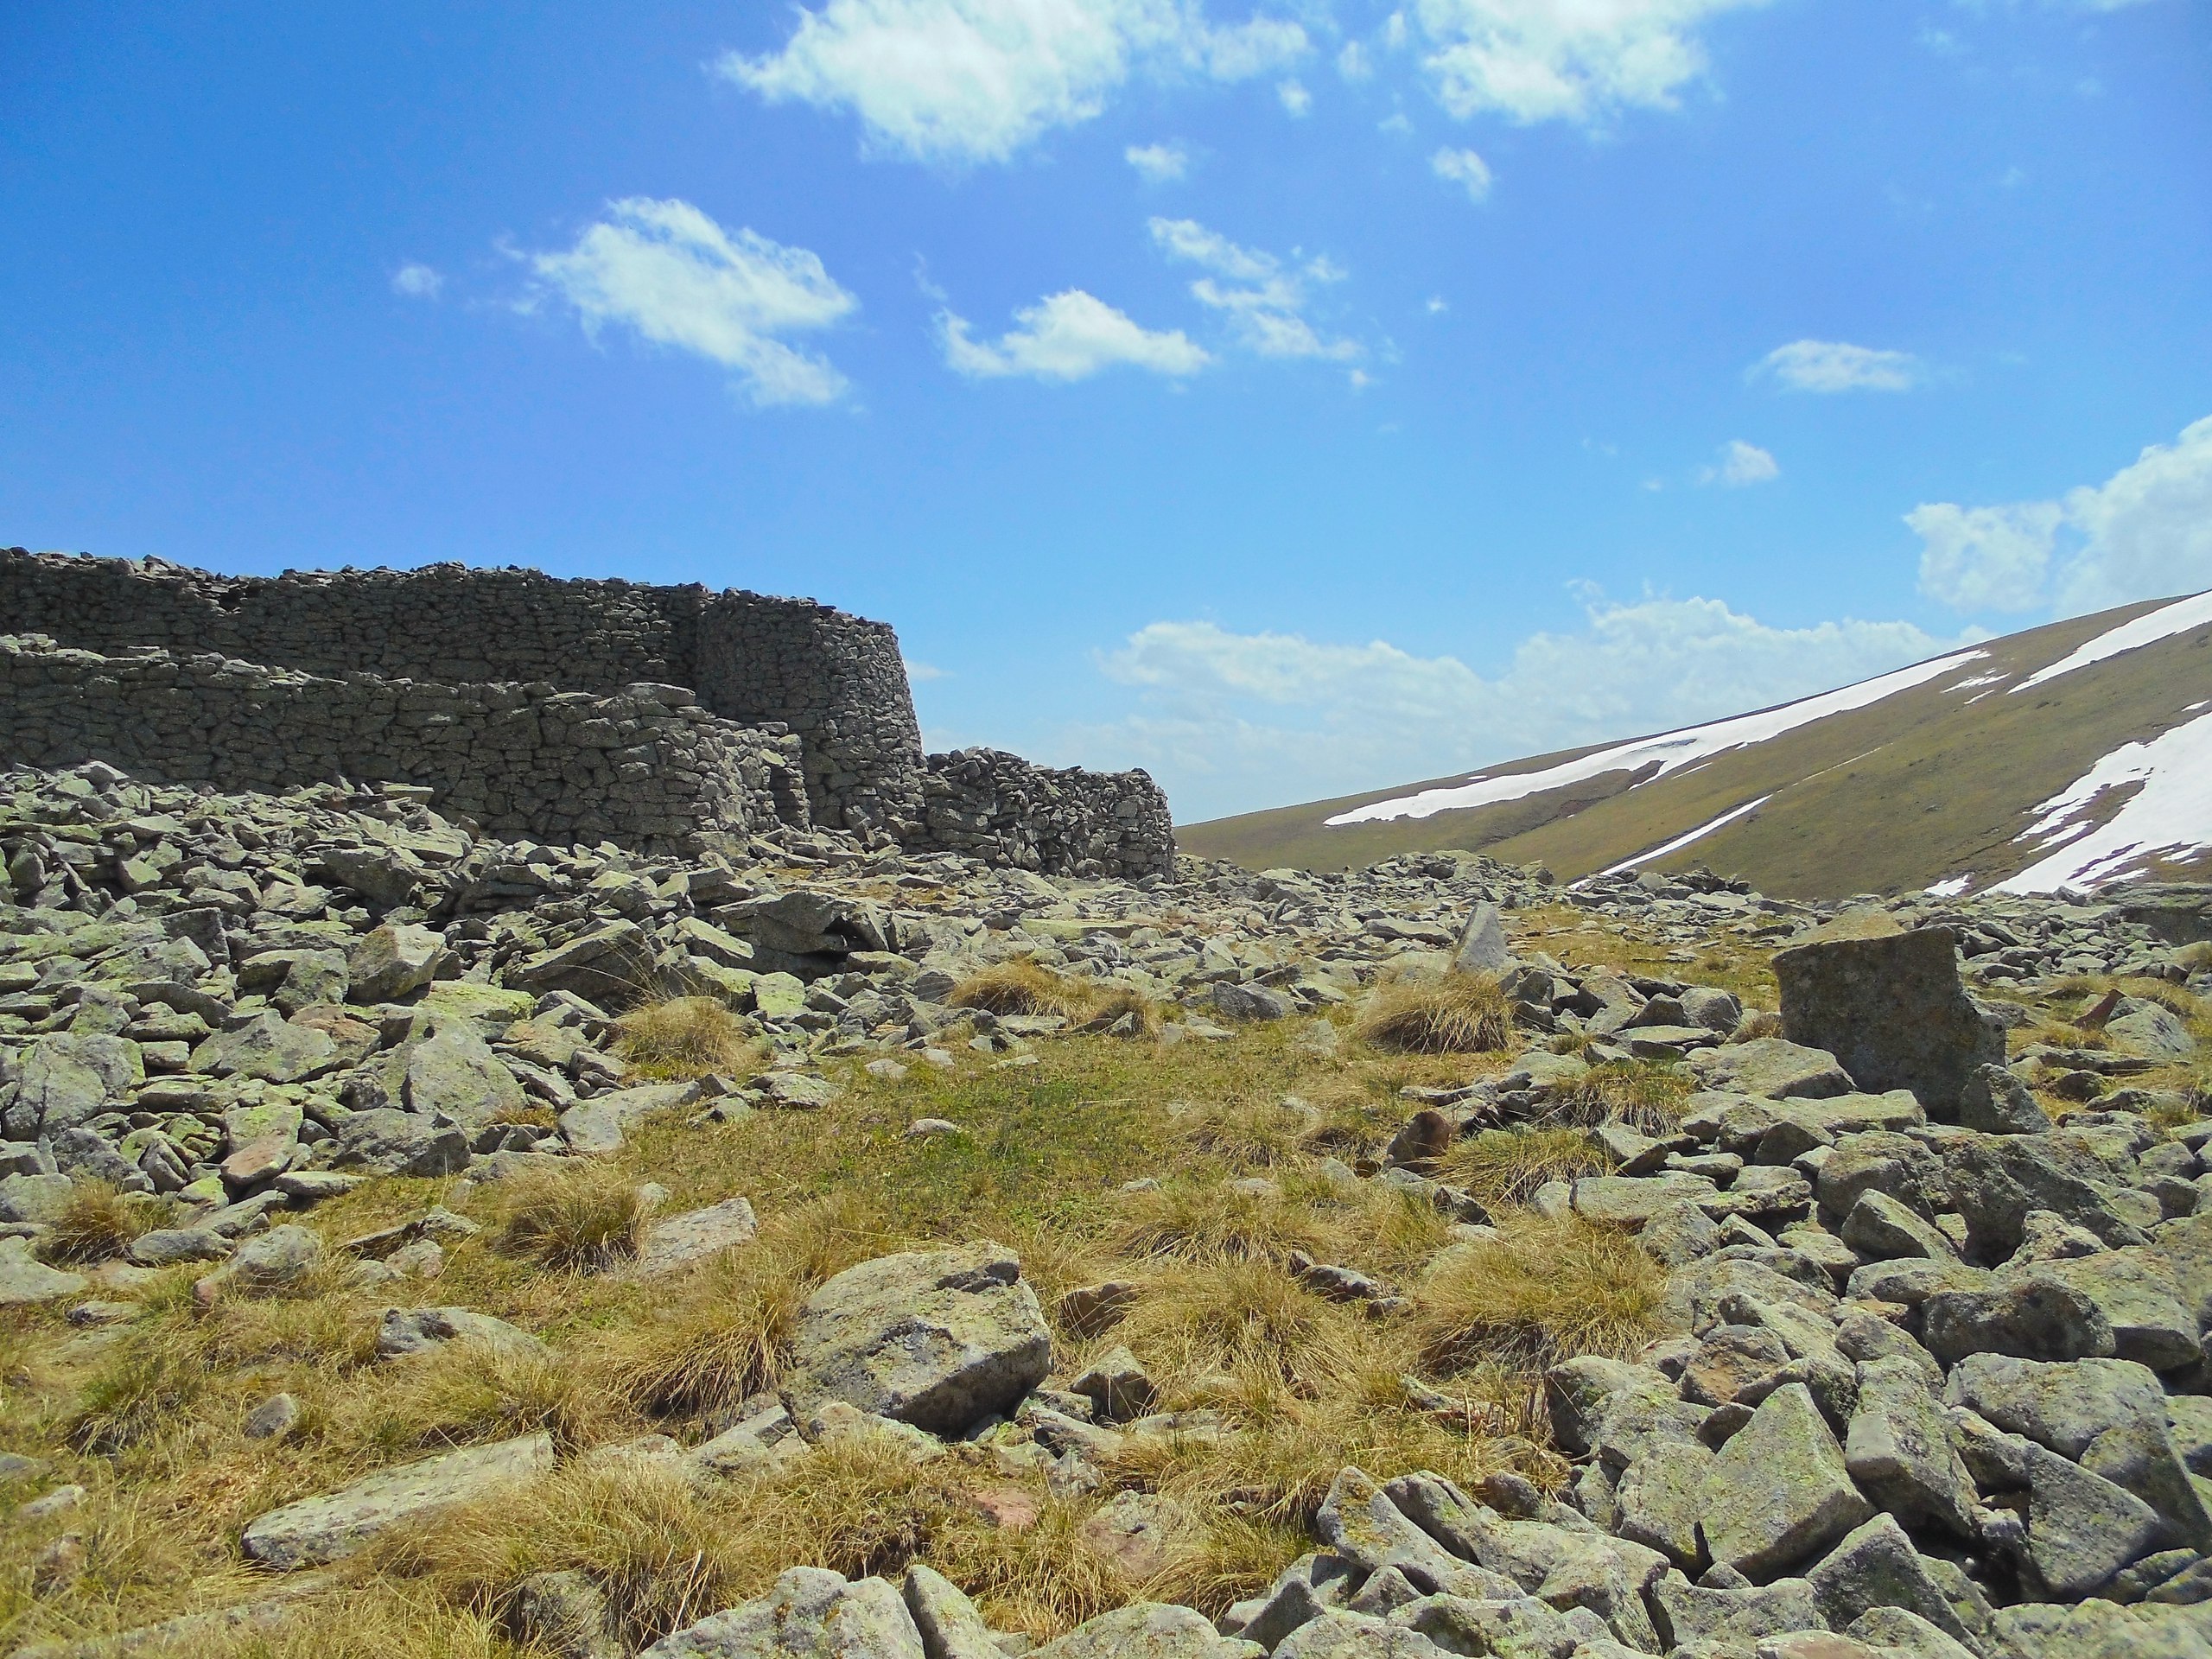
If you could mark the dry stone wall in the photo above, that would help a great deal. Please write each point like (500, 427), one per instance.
(835, 679)
(1003, 809)
(755, 711)
(646, 767)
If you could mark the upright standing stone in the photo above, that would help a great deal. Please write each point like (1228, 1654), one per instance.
(1889, 1005)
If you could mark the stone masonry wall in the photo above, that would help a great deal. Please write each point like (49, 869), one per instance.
(416, 662)
(1003, 809)
(835, 679)
(645, 768)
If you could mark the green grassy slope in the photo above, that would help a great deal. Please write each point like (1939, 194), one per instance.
(1927, 784)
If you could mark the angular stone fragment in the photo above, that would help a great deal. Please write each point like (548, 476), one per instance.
(393, 961)
(1876, 1566)
(408, 1331)
(325, 1528)
(1358, 1521)
(1889, 1007)
(1335, 1633)
(810, 1614)
(1899, 1449)
(1737, 1617)
(1998, 1102)
(1880, 1227)
(2029, 1314)
(2082, 1529)
(2135, 1290)
(937, 1338)
(1512, 1629)
(270, 1047)
(1144, 1630)
(1117, 1387)
(1772, 1067)
(1778, 1491)
(25, 1281)
(678, 1241)
(945, 1618)
(388, 1142)
(1996, 1181)
(1660, 1497)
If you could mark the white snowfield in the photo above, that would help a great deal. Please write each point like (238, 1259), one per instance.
(2170, 816)
(1672, 750)
(2162, 623)
(1681, 841)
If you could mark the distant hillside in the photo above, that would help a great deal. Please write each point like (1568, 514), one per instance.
(2067, 755)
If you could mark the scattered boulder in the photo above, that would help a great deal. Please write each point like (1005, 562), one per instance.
(335, 1525)
(937, 1338)
(1889, 1005)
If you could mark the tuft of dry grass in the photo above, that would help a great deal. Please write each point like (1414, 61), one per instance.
(1508, 1166)
(1193, 1324)
(1459, 1014)
(1021, 987)
(667, 1553)
(1647, 1095)
(575, 1220)
(1756, 1023)
(728, 1337)
(467, 1392)
(1543, 1292)
(1216, 1222)
(673, 1039)
(98, 1221)
(1247, 1132)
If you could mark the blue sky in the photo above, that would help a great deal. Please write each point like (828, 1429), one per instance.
(1291, 398)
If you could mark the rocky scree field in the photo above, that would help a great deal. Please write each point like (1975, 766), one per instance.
(413, 1243)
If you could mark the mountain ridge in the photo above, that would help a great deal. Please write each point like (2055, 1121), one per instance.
(1941, 774)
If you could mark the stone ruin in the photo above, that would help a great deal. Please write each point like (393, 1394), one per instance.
(563, 711)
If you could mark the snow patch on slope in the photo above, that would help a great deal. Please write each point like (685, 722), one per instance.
(2169, 814)
(1672, 750)
(2162, 623)
(1681, 841)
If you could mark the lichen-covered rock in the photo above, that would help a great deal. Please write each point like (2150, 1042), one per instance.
(327, 1528)
(1778, 1491)
(1889, 1006)
(1147, 1630)
(810, 1614)
(937, 1338)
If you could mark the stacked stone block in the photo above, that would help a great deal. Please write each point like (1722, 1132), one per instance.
(643, 767)
(1003, 809)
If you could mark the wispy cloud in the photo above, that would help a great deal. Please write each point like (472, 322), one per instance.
(1158, 163)
(1069, 336)
(670, 274)
(966, 81)
(1834, 366)
(417, 282)
(1263, 297)
(1741, 464)
(1541, 60)
(1464, 168)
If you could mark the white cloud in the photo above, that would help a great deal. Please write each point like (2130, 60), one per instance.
(1296, 100)
(1463, 167)
(1232, 723)
(1564, 60)
(1158, 163)
(1069, 336)
(1741, 464)
(1978, 559)
(417, 282)
(670, 273)
(976, 80)
(1263, 298)
(1831, 365)
(922, 673)
(1354, 64)
(2144, 533)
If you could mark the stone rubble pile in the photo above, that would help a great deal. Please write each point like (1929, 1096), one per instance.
(1935, 1382)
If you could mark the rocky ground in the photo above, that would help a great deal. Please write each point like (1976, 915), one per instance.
(416, 1243)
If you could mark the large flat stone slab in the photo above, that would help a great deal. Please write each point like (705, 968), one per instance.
(331, 1527)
